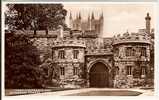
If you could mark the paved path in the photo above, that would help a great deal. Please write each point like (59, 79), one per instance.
(68, 92)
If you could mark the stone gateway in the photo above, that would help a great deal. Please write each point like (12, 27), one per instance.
(81, 58)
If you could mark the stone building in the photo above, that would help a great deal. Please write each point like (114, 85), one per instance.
(81, 58)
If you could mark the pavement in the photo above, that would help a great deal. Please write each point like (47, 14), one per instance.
(68, 92)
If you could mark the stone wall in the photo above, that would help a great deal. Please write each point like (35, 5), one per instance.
(136, 61)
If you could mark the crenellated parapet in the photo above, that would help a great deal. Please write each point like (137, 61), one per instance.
(131, 38)
(69, 43)
(99, 52)
(42, 33)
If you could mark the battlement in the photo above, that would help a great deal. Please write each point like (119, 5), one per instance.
(41, 33)
(56, 33)
(99, 52)
(131, 38)
(69, 43)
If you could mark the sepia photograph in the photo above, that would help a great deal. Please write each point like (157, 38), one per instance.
(73, 49)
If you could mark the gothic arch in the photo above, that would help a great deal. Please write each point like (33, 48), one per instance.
(96, 61)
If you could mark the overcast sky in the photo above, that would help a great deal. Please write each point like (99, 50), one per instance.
(118, 18)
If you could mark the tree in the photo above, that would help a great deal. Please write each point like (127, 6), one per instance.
(22, 58)
(36, 16)
(21, 63)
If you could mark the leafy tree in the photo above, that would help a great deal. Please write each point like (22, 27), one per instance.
(36, 16)
(21, 63)
(22, 59)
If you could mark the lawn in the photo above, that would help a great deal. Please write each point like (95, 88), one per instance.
(107, 93)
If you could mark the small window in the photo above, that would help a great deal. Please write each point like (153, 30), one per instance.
(61, 54)
(52, 53)
(143, 70)
(130, 51)
(116, 50)
(143, 51)
(62, 70)
(117, 70)
(75, 70)
(129, 70)
(75, 54)
(46, 71)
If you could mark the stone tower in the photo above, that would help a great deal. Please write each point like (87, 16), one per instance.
(148, 25)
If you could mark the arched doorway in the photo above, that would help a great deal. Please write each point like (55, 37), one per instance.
(99, 75)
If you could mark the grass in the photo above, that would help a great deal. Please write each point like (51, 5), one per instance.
(107, 93)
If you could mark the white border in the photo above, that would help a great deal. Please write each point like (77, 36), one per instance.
(108, 97)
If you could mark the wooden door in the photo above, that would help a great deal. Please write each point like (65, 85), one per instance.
(99, 75)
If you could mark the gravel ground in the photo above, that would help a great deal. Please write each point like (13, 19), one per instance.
(108, 93)
(80, 92)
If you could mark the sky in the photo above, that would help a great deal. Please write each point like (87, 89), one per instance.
(118, 18)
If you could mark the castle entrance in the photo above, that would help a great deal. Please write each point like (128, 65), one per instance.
(99, 75)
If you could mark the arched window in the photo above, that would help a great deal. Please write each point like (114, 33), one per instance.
(61, 54)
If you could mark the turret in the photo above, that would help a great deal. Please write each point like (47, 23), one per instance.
(101, 17)
(148, 25)
(71, 20)
(92, 22)
(92, 18)
(76, 16)
(79, 17)
(89, 23)
(70, 16)
(78, 22)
